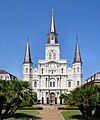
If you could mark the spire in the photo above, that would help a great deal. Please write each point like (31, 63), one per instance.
(52, 25)
(52, 29)
(77, 56)
(27, 58)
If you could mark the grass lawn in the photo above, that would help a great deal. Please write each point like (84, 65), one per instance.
(71, 115)
(23, 115)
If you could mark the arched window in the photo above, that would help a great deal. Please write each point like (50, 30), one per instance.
(26, 70)
(52, 37)
(54, 56)
(77, 69)
(62, 70)
(53, 84)
(77, 83)
(50, 57)
(69, 84)
(57, 82)
(50, 84)
(30, 70)
(42, 70)
(46, 83)
(74, 70)
(35, 84)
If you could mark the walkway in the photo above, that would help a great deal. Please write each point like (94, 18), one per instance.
(49, 113)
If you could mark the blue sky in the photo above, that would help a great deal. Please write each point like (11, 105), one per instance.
(20, 18)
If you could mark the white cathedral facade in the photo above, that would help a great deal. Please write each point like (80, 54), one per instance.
(52, 77)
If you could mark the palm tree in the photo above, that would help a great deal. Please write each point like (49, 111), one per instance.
(84, 99)
(12, 93)
(22, 92)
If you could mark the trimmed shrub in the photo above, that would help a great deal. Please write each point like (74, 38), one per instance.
(34, 107)
(66, 107)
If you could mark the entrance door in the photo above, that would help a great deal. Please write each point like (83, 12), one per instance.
(52, 98)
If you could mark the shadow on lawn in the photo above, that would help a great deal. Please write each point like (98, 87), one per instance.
(22, 115)
(78, 117)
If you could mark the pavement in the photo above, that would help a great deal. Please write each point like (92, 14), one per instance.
(49, 113)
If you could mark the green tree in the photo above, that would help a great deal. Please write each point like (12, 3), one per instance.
(64, 96)
(12, 93)
(87, 99)
(84, 98)
(97, 102)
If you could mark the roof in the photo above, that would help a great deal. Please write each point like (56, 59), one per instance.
(94, 77)
(52, 30)
(27, 58)
(77, 56)
(5, 72)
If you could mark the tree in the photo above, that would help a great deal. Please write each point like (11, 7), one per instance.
(87, 99)
(97, 102)
(12, 93)
(64, 96)
(84, 98)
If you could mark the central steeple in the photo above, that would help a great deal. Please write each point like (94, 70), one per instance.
(52, 36)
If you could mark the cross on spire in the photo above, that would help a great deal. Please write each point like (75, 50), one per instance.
(52, 12)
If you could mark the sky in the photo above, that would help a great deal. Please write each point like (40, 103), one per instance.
(22, 18)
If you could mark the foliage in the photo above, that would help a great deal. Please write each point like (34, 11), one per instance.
(12, 93)
(29, 102)
(86, 98)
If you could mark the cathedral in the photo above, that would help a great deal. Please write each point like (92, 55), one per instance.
(53, 76)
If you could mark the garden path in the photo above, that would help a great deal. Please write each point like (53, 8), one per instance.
(49, 113)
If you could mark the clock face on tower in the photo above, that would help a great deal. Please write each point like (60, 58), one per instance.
(52, 65)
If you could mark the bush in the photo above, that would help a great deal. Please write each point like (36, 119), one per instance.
(66, 107)
(34, 107)
(26, 103)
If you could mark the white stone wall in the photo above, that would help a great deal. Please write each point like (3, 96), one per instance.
(52, 48)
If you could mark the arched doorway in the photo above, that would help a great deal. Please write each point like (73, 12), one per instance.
(52, 98)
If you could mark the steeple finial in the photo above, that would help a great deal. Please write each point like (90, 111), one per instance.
(77, 56)
(27, 58)
(52, 11)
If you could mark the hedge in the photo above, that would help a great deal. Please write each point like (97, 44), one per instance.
(66, 107)
(34, 107)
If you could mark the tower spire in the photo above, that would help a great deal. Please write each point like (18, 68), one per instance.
(52, 29)
(27, 58)
(52, 26)
(77, 56)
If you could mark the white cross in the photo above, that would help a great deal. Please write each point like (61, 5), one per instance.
(52, 11)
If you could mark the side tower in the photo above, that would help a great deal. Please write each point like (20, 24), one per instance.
(77, 67)
(27, 64)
